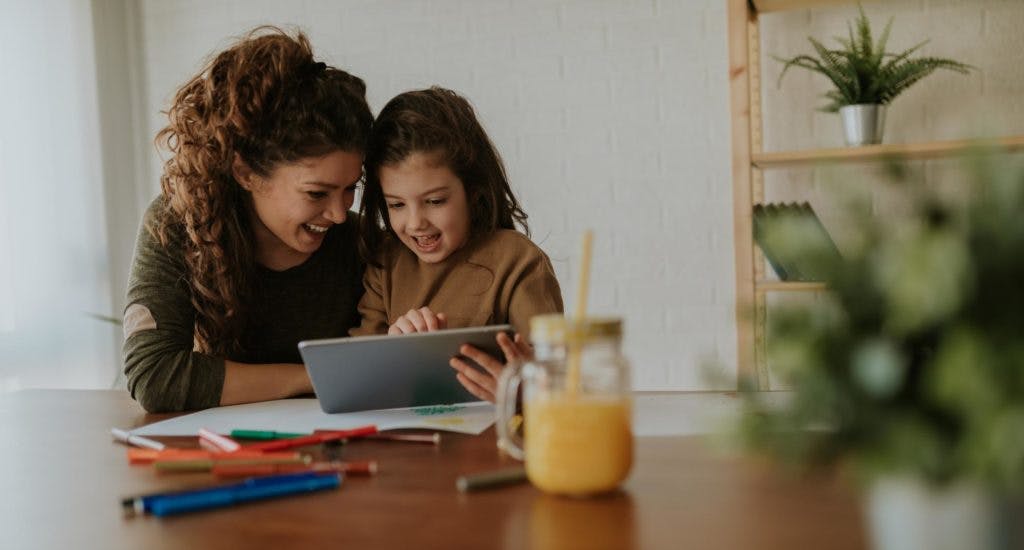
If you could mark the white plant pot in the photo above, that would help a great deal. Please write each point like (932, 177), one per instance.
(862, 124)
(906, 514)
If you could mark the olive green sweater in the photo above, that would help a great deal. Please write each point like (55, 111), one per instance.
(317, 299)
(503, 278)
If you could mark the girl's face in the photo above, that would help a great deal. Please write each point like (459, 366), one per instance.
(297, 203)
(427, 206)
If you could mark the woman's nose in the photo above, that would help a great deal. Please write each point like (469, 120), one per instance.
(337, 212)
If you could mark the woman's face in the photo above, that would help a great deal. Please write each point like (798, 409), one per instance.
(298, 202)
(427, 206)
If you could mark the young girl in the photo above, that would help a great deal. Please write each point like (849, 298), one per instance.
(448, 255)
(249, 248)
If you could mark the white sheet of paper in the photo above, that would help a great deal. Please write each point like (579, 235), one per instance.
(304, 416)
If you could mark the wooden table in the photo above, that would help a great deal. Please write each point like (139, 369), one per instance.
(61, 478)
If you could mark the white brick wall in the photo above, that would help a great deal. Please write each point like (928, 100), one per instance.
(613, 115)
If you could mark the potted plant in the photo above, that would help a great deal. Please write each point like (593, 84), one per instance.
(910, 375)
(866, 77)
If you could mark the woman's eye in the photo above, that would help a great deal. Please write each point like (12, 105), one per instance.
(316, 195)
(394, 205)
(436, 202)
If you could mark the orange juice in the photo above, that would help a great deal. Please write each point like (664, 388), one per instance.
(578, 444)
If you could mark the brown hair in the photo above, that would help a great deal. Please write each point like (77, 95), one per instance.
(269, 101)
(439, 122)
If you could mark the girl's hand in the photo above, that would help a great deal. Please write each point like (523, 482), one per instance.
(485, 384)
(418, 320)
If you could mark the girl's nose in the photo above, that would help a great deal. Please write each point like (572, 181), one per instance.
(416, 218)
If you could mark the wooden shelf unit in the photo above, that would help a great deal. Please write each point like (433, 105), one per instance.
(749, 160)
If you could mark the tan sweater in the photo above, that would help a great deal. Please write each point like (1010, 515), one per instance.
(504, 278)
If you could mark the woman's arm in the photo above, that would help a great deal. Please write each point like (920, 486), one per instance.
(164, 373)
(247, 383)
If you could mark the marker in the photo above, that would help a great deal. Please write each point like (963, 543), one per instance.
(148, 456)
(264, 435)
(487, 480)
(434, 438)
(314, 439)
(226, 495)
(218, 441)
(363, 468)
(125, 436)
(208, 464)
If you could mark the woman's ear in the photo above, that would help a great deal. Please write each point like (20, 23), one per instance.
(244, 175)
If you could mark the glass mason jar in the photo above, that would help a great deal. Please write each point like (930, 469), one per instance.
(577, 406)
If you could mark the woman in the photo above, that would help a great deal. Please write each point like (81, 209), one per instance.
(251, 247)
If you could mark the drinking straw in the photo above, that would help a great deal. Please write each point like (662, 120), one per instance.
(573, 374)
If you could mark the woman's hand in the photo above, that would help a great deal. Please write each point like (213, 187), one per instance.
(485, 384)
(418, 320)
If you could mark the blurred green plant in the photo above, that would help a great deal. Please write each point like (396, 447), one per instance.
(862, 71)
(914, 365)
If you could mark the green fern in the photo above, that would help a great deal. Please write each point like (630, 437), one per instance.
(862, 71)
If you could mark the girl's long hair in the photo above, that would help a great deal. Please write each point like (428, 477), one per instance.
(441, 123)
(268, 101)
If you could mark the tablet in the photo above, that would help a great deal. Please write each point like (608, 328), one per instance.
(383, 372)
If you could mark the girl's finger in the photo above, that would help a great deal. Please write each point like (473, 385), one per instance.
(429, 318)
(482, 358)
(508, 347)
(417, 321)
(525, 349)
(474, 389)
(482, 379)
(404, 326)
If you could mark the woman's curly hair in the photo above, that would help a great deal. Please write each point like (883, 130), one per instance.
(268, 101)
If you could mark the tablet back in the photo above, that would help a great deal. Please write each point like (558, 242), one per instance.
(383, 372)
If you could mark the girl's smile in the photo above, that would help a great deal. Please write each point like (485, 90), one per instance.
(426, 205)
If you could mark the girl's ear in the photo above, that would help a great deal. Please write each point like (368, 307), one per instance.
(244, 175)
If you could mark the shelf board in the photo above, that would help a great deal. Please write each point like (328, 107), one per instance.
(867, 153)
(766, 285)
(765, 6)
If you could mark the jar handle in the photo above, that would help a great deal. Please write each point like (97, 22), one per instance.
(505, 410)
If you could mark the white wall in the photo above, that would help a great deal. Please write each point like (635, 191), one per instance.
(611, 115)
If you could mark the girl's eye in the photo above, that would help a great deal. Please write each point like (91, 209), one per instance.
(316, 195)
(395, 205)
(436, 202)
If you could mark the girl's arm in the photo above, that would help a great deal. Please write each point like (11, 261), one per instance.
(535, 291)
(372, 306)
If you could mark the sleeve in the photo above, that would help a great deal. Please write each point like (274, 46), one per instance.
(372, 306)
(164, 373)
(535, 291)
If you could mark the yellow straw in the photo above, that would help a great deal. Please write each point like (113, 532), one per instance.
(581, 291)
(573, 374)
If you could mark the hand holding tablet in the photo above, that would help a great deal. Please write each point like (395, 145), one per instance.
(380, 372)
